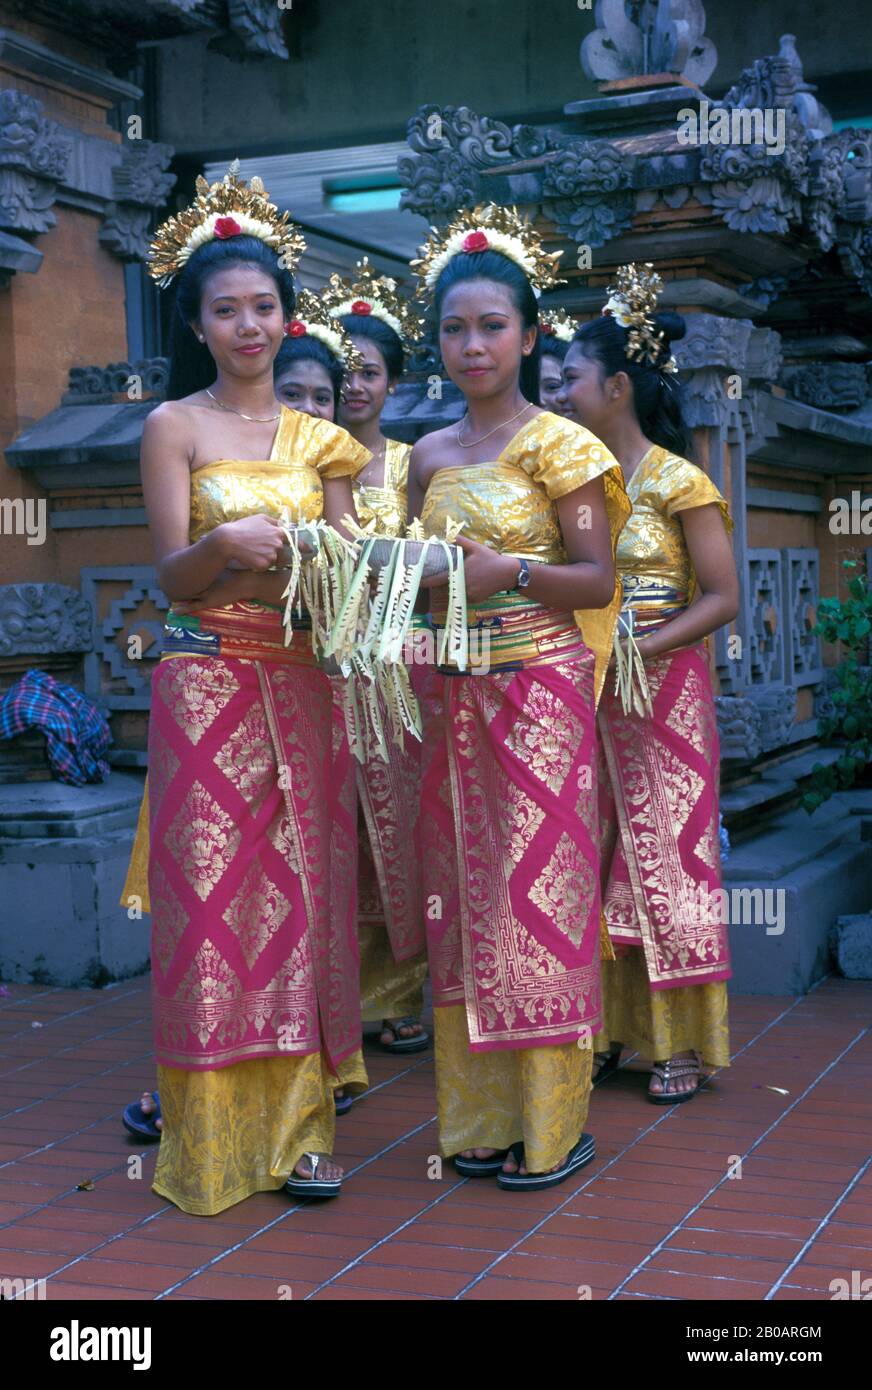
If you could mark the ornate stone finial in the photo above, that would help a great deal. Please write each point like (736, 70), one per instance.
(33, 160)
(778, 81)
(638, 37)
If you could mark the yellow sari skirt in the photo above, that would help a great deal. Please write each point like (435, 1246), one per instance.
(490, 1100)
(660, 1022)
(243, 1129)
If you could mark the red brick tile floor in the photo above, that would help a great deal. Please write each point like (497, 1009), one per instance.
(760, 1188)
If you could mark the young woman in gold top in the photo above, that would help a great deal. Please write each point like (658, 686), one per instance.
(665, 995)
(254, 967)
(508, 807)
(393, 953)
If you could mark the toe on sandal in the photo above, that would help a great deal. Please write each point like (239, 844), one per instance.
(671, 1071)
(313, 1186)
(583, 1152)
(480, 1167)
(343, 1103)
(136, 1122)
(416, 1043)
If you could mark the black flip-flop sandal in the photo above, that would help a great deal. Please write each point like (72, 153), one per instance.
(609, 1065)
(314, 1186)
(480, 1167)
(583, 1152)
(143, 1126)
(416, 1043)
(670, 1071)
(343, 1104)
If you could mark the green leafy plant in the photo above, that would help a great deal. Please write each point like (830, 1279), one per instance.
(849, 622)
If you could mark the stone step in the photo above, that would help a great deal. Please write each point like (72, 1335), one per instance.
(802, 765)
(54, 810)
(791, 839)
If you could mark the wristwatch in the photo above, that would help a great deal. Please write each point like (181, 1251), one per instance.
(523, 578)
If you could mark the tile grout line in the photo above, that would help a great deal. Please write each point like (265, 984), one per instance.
(285, 1215)
(816, 1232)
(144, 1221)
(137, 1225)
(757, 1142)
(655, 1124)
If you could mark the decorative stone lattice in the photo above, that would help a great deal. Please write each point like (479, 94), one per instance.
(801, 587)
(116, 679)
(765, 610)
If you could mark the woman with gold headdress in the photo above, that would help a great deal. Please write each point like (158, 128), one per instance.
(508, 806)
(254, 957)
(393, 951)
(556, 330)
(665, 994)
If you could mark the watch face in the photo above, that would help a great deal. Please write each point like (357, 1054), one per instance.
(523, 577)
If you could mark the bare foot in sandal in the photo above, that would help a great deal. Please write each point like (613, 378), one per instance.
(148, 1107)
(399, 1028)
(675, 1079)
(511, 1166)
(328, 1171)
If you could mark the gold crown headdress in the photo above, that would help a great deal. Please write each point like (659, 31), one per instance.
(556, 323)
(371, 294)
(312, 319)
(228, 208)
(633, 301)
(488, 227)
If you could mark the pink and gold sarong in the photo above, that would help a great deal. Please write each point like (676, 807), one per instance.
(508, 833)
(254, 949)
(658, 792)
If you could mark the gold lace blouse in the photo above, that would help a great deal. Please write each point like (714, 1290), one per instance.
(387, 504)
(510, 505)
(305, 451)
(652, 557)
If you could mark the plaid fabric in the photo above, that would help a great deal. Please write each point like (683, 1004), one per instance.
(76, 732)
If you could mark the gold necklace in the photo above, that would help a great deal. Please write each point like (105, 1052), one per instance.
(257, 419)
(473, 442)
(380, 456)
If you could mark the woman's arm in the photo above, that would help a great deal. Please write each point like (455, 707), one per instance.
(717, 598)
(339, 502)
(183, 569)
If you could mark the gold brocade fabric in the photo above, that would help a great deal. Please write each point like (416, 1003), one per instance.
(305, 450)
(660, 1022)
(491, 1100)
(387, 504)
(652, 555)
(388, 988)
(510, 505)
(242, 1129)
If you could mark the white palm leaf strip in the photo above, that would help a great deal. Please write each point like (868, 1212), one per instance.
(378, 606)
(401, 604)
(345, 632)
(454, 638)
(630, 681)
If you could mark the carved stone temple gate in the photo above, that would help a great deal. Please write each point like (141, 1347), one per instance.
(768, 254)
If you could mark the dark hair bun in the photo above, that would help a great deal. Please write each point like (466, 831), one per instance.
(672, 326)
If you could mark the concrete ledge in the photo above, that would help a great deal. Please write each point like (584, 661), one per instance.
(68, 928)
(837, 882)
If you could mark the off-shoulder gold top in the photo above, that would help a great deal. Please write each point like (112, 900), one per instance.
(510, 505)
(388, 503)
(305, 451)
(653, 560)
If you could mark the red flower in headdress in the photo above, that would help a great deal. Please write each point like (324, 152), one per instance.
(476, 241)
(226, 227)
(360, 306)
(296, 329)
